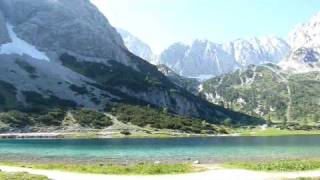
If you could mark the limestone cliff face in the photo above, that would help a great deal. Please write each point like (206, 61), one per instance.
(206, 59)
(49, 79)
(4, 36)
(305, 52)
(55, 26)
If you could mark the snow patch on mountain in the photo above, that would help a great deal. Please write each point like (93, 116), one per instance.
(20, 47)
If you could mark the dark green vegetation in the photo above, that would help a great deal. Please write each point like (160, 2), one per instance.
(40, 111)
(139, 85)
(8, 98)
(189, 84)
(14, 119)
(38, 103)
(291, 101)
(143, 116)
(20, 176)
(283, 165)
(55, 117)
(150, 99)
(80, 90)
(92, 119)
(125, 132)
(305, 90)
(117, 74)
(138, 169)
(28, 68)
(19, 120)
(161, 119)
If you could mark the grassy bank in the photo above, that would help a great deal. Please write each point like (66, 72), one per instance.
(275, 132)
(282, 165)
(159, 134)
(138, 169)
(20, 176)
(163, 134)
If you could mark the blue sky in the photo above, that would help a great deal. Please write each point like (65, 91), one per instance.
(162, 22)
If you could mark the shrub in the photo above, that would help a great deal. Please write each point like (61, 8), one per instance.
(15, 119)
(81, 90)
(160, 119)
(91, 118)
(125, 132)
(53, 117)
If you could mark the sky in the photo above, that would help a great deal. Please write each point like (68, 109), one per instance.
(160, 23)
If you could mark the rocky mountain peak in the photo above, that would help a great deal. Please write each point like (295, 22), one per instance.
(58, 26)
(306, 34)
(136, 46)
(205, 58)
(305, 51)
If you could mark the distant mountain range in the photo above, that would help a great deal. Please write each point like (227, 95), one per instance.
(204, 59)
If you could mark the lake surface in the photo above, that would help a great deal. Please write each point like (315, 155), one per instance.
(208, 149)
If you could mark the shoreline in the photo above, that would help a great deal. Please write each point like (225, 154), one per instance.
(212, 172)
(106, 135)
(94, 135)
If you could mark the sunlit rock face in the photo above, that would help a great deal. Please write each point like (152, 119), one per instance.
(204, 58)
(305, 51)
(55, 26)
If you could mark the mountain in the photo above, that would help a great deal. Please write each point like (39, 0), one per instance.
(305, 43)
(65, 54)
(190, 84)
(287, 92)
(37, 22)
(306, 34)
(269, 92)
(204, 58)
(137, 46)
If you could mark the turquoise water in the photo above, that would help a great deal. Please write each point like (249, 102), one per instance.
(209, 148)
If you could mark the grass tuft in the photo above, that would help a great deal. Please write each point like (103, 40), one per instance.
(283, 165)
(21, 176)
(276, 132)
(138, 169)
